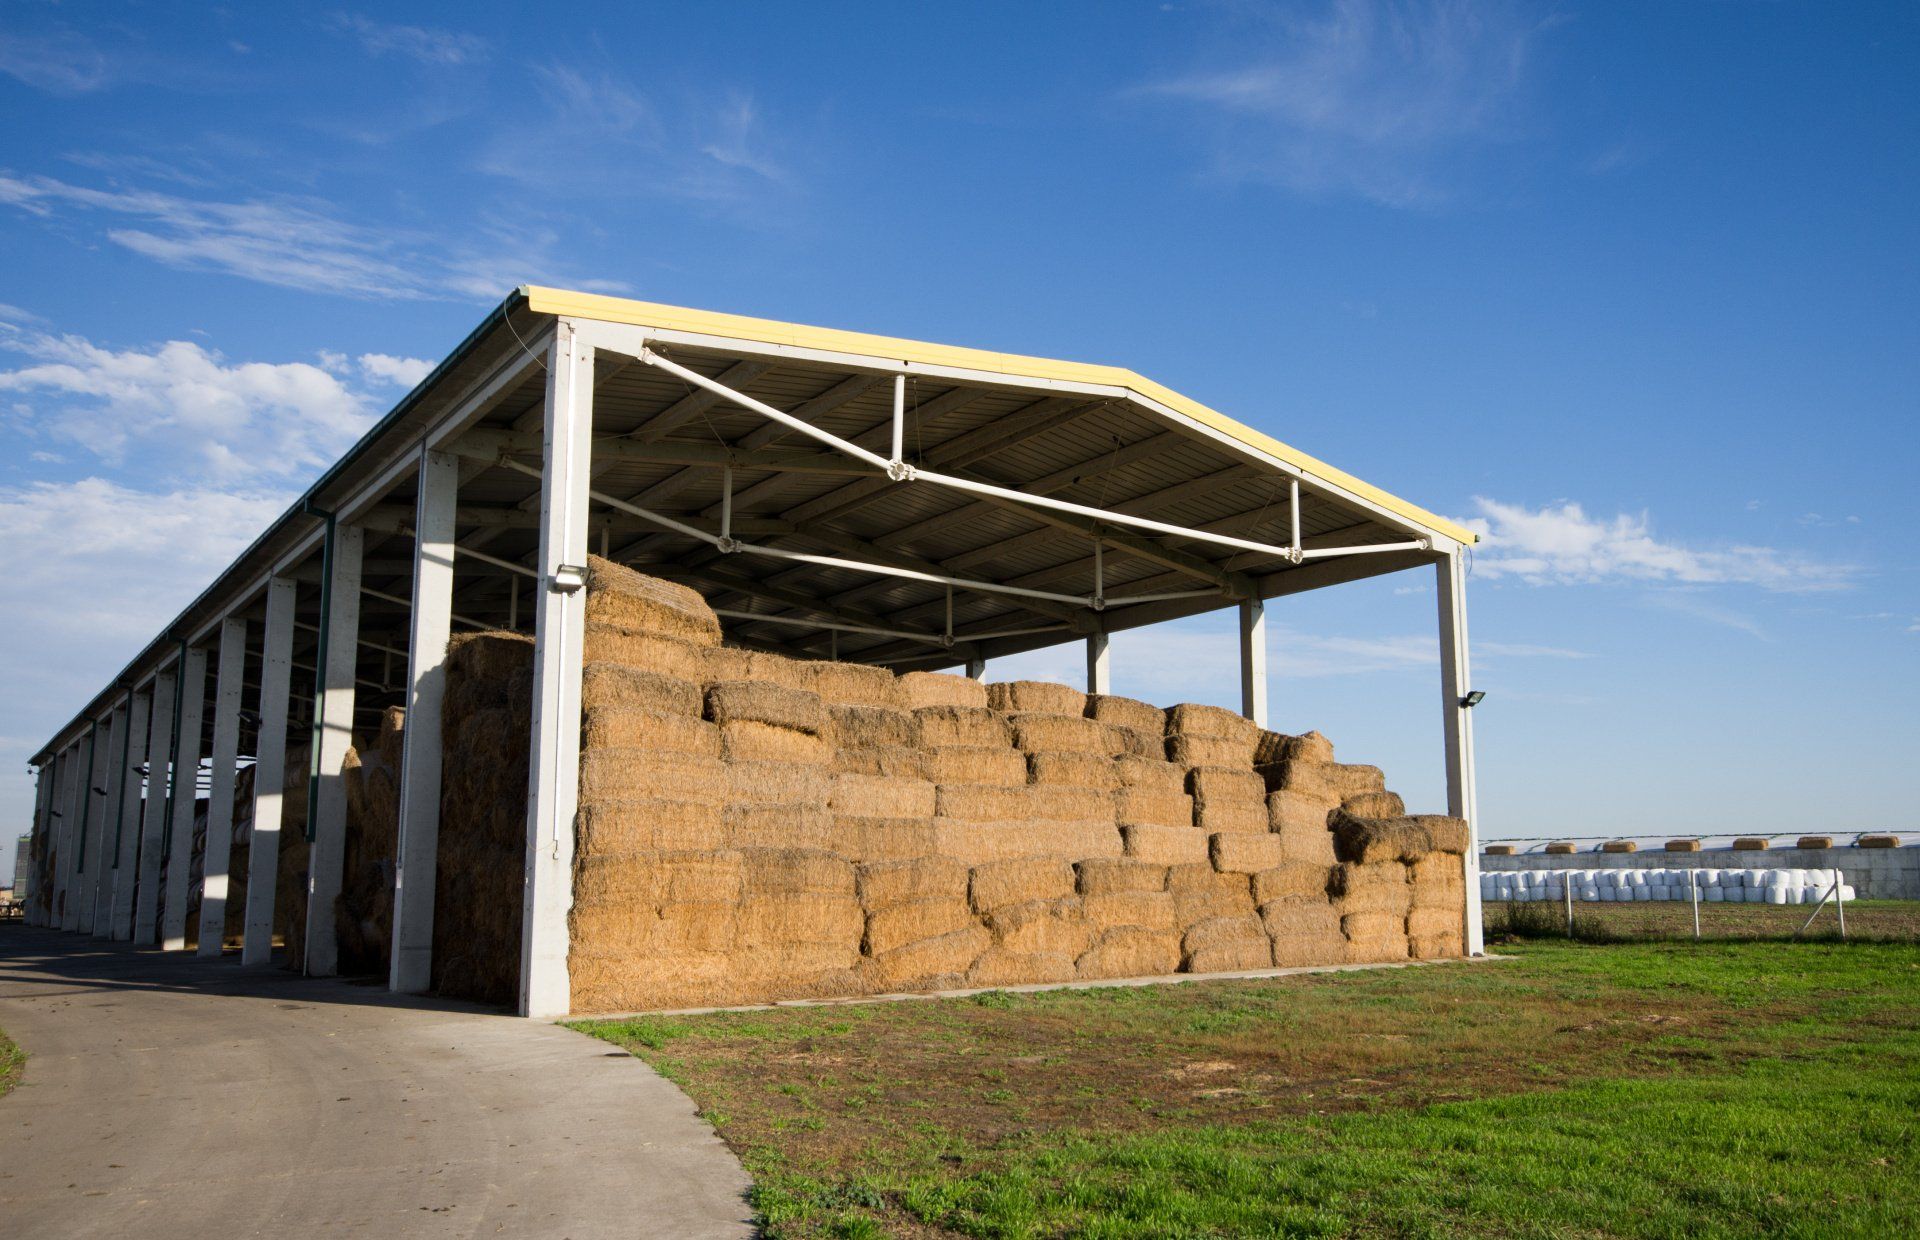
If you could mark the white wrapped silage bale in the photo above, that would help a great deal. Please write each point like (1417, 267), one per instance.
(1714, 894)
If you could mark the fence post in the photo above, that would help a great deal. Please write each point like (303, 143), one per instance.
(1693, 892)
(1840, 902)
(1568, 887)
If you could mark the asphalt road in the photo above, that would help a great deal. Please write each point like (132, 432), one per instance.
(171, 1097)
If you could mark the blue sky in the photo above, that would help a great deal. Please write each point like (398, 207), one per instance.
(1633, 286)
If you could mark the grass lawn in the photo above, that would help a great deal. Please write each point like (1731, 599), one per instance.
(13, 1061)
(1577, 1089)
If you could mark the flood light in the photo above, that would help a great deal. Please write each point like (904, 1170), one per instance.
(1474, 698)
(568, 578)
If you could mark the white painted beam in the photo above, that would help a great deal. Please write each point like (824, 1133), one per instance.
(417, 855)
(269, 773)
(94, 918)
(554, 764)
(146, 908)
(185, 794)
(63, 838)
(1099, 663)
(1456, 682)
(1253, 660)
(126, 819)
(333, 736)
(42, 786)
(221, 776)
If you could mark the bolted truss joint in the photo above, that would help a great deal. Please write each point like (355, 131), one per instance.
(726, 545)
(900, 471)
(1098, 602)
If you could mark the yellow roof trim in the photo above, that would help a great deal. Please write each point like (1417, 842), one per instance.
(771, 331)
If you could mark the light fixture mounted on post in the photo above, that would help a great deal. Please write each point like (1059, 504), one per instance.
(568, 579)
(1473, 698)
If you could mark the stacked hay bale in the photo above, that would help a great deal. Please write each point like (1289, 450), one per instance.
(363, 911)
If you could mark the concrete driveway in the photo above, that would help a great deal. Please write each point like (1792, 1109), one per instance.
(166, 1096)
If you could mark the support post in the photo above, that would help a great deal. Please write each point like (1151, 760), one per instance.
(62, 839)
(1099, 663)
(1693, 894)
(186, 795)
(976, 668)
(30, 883)
(78, 779)
(332, 737)
(559, 625)
(416, 858)
(126, 818)
(107, 764)
(229, 680)
(1253, 660)
(146, 906)
(269, 772)
(1457, 720)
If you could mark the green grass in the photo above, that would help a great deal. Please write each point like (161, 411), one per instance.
(13, 1061)
(1630, 1089)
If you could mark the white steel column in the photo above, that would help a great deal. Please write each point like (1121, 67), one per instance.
(185, 790)
(553, 777)
(1253, 660)
(229, 680)
(146, 906)
(1099, 663)
(333, 719)
(67, 799)
(1455, 682)
(96, 918)
(269, 772)
(126, 816)
(42, 783)
(976, 669)
(432, 624)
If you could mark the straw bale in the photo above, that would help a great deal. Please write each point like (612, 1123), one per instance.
(728, 663)
(1443, 946)
(1225, 944)
(1311, 845)
(1130, 951)
(1806, 841)
(1036, 695)
(1127, 713)
(492, 659)
(1560, 850)
(1299, 918)
(1449, 835)
(612, 647)
(1044, 733)
(962, 725)
(887, 883)
(919, 689)
(1620, 846)
(1408, 839)
(1438, 879)
(1295, 811)
(1430, 921)
(1331, 782)
(976, 764)
(794, 825)
(1193, 751)
(1153, 774)
(1138, 743)
(780, 671)
(789, 871)
(1151, 807)
(1308, 747)
(1019, 882)
(1199, 892)
(1151, 910)
(1193, 719)
(862, 837)
(803, 917)
(776, 783)
(1074, 770)
(637, 930)
(743, 740)
(895, 763)
(1679, 846)
(616, 685)
(628, 727)
(1244, 817)
(1237, 852)
(928, 964)
(1375, 805)
(880, 796)
(1881, 840)
(998, 966)
(1304, 950)
(763, 701)
(1751, 843)
(1508, 850)
(621, 774)
(1104, 875)
(872, 727)
(978, 843)
(1048, 927)
(1374, 937)
(1292, 880)
(897, 925)
(617, 878)
(1164, 845)
(995, 803)
(1226, 784)
(648, 824)
(700, 877)
(617, 981)
(1378, 888)
(621, 597)
(857, 684)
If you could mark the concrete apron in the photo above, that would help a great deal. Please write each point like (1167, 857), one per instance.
(171, 1097)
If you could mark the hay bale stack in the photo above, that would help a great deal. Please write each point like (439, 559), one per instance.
(861, 838)
(1304, 930)
(1225, 944)
(1301, 824)
(976, 764)
(1199, 892)
(620, 599)
(1228, 799)
(1035, 732)
(919, 689)
(857, 684)
(1752, 843)
(1329, 783)
(1125, 712)
(1165, 845)
(1130, 951)
(363, 912)
(1042, 696)
(972, 726)
(1619, 846)
(1375, 805)
(1092, 771)
(1237, 852)
(1379, 887)
(1002, 883)
(1806, 841)
(1374, 937)
(608, 684)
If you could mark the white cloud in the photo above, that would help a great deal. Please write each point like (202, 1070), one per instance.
(1689, 603)
(1560, 543)
(400, 371)
(421, 43)
(1524, 650)
(60, 64)
(1374, 98)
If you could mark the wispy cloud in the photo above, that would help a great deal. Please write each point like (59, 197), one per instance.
(60, 63)
(1560, 543)
(420, 43)
(1369, 98)
(1524, 650)
(1690, 603)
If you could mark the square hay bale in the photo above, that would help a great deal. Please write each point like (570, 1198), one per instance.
(1621, 846)
(1151, 774)
(622, 774)
(1439, 879)
(919, 689)
(1308, 950)
(998, 966)
(962, 725)
(1019, 882)
(977, 764)
(1878, 840)
(1042, 733)
(1151, 807)
(887, 883)
(1375, 805)
(1200, 892)
(1330, 783)
(1508, 850)
(1164, 845)
(1367, 840)
(1293, 880)
(729, 663)
(1679, 846)
(1036, 695)
(763, 701)
(897, 925)
(1224, 945)
(1237, 852)
(1445, 946)
(872, 727)
(1308, 747)
(1806, 841)
(1449, 834)
(619, 596)
(1099, 876)
(894, 763)
(1313, 845)
(1074, 770)
(1191, 751)
(639, 933)
(861, 837)
(1134, 743)
(625, 727)
(1043, 927)
(1298, 918)
(1127, 713)
(618, 982)
(1193, 719)
(1244, 817)
(1229, 785)
(994, 803)
(881, 796)
(616, 684)
(857, 684)
(779, 670)
(1130, 951)
(1560, 850)
(669, 656)
(1751, 843)
(928, 964)
(1150, 910)
(743, 740)
(626, 879)
(977, 843)
(648, 824)
(793, 825)
(1374, 938)
(1376, 888)
(787, 871)
(802, 917)
(1431, 921)
(776, 783)
(1294, 811)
